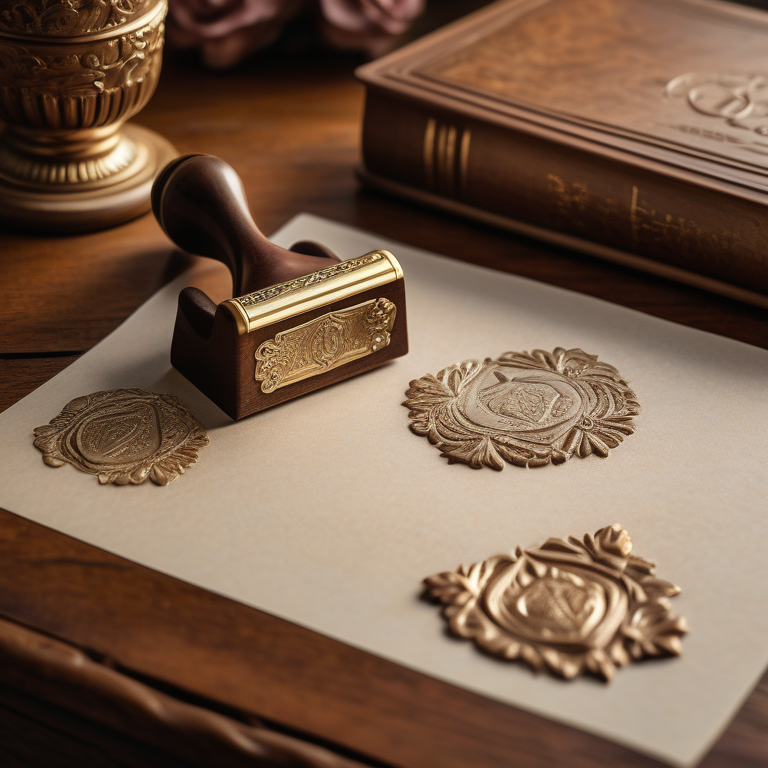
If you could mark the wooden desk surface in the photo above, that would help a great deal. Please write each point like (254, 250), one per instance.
(290, 127)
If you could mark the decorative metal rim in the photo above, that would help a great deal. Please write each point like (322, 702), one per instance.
(151, 15)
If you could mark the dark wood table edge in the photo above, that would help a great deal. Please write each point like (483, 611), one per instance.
(40, 673)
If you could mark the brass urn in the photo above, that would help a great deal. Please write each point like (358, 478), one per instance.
(71, 73)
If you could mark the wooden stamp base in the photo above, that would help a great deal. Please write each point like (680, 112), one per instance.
(222, 365)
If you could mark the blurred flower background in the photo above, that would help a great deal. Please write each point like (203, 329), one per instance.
(227, 31)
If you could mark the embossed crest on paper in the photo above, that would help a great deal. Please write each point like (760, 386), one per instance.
(324, 343)
(124, 436)
(572, 607)
(525, 409)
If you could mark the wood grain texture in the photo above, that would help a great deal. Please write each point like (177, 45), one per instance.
(33, 733)
(290, 126)
(21, 375)
(67, 677)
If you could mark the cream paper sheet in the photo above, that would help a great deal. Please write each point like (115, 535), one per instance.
(328, 511)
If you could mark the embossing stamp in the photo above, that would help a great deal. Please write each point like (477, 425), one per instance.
(124, 436)
(571, 607)
(525, 409)
(324, 343)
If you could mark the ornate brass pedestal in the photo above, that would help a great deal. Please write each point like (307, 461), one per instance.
(71, 73)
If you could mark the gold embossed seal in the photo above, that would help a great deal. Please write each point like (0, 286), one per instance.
(568, 606)
(525, 409)
(124, 436)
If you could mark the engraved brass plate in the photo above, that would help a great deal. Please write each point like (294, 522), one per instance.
(570, 606)
(525, 409)
(124, 436)
(324, 343)
(319, 289)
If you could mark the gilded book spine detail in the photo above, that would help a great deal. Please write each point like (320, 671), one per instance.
(446, 157)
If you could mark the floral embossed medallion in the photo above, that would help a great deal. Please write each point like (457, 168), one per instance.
(568, 606)
(124, 436)
(526, 409)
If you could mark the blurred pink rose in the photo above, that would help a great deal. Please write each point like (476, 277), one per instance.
(367, 25)
(392, 16)
(227, 31)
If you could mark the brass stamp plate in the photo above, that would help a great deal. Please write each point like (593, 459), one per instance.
(571, 607)
(319, 289)
(124, 436)
(525, 409)
(324, 343)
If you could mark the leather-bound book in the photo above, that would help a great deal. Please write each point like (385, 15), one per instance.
(634, 130)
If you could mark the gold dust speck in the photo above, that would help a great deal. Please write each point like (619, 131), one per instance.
(124, 436)
(569, 606)
(523, 409)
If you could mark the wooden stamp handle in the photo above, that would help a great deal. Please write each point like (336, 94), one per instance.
(200, 202)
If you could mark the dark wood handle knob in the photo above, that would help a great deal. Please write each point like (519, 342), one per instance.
(200, 202)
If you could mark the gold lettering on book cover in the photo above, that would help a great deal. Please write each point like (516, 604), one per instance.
(527, 409)
(124, 436)
(324, 343)
(569, 606)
